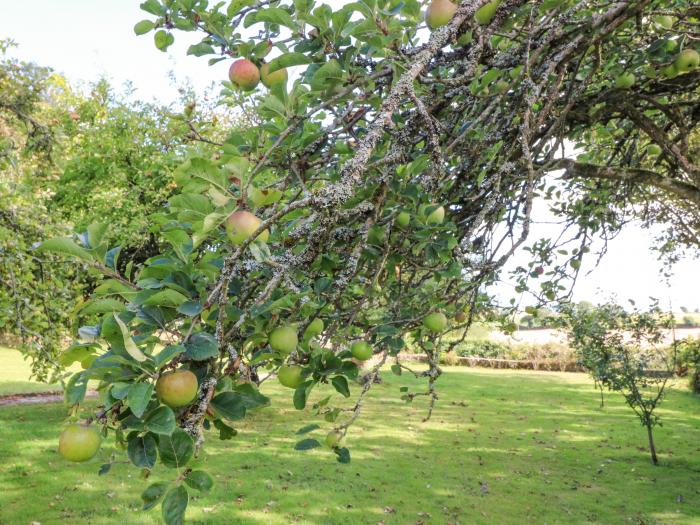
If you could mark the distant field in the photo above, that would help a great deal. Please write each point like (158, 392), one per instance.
(14, 376)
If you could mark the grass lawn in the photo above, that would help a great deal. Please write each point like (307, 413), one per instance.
(14, 376)
(502, 448)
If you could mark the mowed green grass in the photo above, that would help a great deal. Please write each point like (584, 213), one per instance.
(14, 375)
(502, 448)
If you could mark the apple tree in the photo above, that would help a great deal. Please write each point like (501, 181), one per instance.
(389, 171)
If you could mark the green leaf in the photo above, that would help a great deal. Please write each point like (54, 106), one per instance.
(167, 354)
(343, 455)
(229, 405)
(167, 298)
(65, 245)
(326, 76)
(76, 388)
(161, 421)
(190, 308)
(104, 469)
(300, 398)
(307, 444)
(251, 396)
(142, 450)
(289, 60)
(143, 27)
(200, 480)
(95, 233)
(307, 429)
(273, 15)
(102, 306)
(225, 432)
(163, 39)
(341, 385)
(174, 506)
(153, 7)
(129, 344)
(202, 346)
(138, 397)
(177, 449)
(200, 49)
(152, 495)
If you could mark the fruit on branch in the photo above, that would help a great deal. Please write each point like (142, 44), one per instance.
(670, 71)
(290, 376)
(435, 322)
(625, 81)
(333, 439)
(439, 13)
(284, 339)
(315, 328)
(403, 219)
(485, 13)
(242, 224)
(665, 21)
(244, 74)
(433, 217)
(654, 149)
(79, 442)
(361, 350)
(687, 60)
(275, 78)
(460, 317)
(177, 389)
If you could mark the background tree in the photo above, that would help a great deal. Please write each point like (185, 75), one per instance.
(626, 352)
(380, 191)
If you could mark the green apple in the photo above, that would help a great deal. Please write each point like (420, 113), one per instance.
(439, 13)
(460, 317)
(290, 376)
(434, 217)
(654, 149)
(361, 350)
(270, 80)
(315, 328)
(284, 339)
(403, 219)
(79, 443)
(435, 322)
(177, 389)
(625, 81)
(664, 21)
(333, 439)
(669, 71)
(687, 60)
(485, 13)
(242, 224)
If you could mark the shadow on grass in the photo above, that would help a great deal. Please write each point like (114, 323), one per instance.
(503, 449)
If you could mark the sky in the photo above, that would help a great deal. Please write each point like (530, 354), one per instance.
(89, 39)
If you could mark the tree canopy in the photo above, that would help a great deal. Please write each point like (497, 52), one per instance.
(379, 191)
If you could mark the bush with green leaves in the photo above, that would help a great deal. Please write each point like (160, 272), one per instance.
(625, 352)
(380, 190)
(689, 361)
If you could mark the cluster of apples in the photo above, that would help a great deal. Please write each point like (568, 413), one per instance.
(80, 442)
(246, 75)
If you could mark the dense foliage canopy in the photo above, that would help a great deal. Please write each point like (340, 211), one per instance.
(379, 191)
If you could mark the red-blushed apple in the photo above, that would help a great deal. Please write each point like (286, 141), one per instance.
(242, 224)
(439, 13)
(244, 74)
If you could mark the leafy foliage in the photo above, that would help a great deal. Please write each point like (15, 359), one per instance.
(301, 215)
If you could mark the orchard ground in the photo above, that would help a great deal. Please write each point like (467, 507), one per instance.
(502, 447)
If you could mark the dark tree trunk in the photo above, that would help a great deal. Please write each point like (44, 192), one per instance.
(652, 448)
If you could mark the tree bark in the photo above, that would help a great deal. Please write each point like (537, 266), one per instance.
(652, 448)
